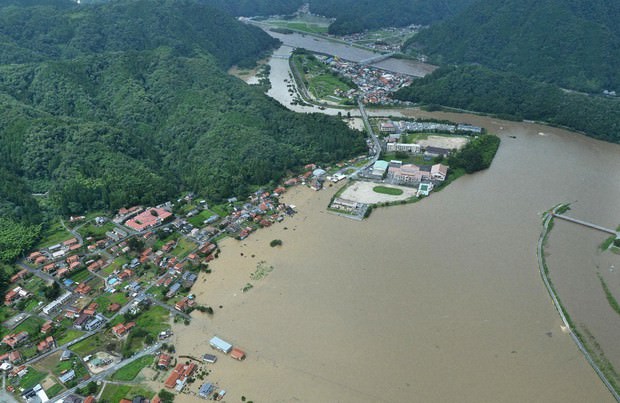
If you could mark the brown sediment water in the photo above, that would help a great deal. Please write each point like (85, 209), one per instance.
(439, 300)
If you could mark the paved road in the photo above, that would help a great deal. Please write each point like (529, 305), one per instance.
(100, 376)
(374, 138)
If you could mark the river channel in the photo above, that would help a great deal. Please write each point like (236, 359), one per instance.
(435, 301)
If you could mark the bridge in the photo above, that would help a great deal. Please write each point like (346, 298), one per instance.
(286, 57)
(377, 59)
(586, 224)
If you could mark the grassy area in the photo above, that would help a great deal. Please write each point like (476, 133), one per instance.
(170, 237)
(54, 390)
(105, 300)
(408, 158)
(220, 209)
(387, 190)
(31, 305)
(302, 26)
(5, 313)
(67, 336)
(32, 325)
(80, 275)
(321, 81)
(130, 371)
(31, 378)
(183, 248)
(95, 231)
(154, 321)
(116, 265)
(197, 220)
(89, 345)
(52, 235)
(116, 393)
(607, 243)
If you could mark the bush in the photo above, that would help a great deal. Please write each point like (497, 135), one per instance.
(275, 242)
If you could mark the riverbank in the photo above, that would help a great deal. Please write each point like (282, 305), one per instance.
(447, 288)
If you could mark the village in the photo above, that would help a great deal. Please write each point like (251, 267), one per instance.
(92, 306)
(374, 85)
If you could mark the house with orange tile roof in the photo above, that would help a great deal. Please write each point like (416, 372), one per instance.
(46, 344)
(121, 329)
(47, 327)
(178, 376)
(18, 276)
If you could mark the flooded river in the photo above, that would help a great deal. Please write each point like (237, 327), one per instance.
(352, 53)
(435, 301)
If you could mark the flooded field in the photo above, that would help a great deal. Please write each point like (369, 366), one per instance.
(435, 301)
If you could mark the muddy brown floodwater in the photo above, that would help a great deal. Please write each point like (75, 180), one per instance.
(435, 301)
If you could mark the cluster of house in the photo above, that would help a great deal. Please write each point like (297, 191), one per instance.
(54, 252)
(261, 210)
(374, 85)
(396, 127)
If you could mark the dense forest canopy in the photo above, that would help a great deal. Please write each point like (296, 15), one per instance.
(357, 15)
(572, 43)
(511, 96)
(127, 102)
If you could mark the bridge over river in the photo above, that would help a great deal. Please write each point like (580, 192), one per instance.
(586, 224)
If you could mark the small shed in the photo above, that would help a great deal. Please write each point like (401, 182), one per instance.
(237, 354)
(210, 358)
(220, 344)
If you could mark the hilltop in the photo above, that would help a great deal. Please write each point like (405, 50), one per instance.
(128, 102)
(573, 44)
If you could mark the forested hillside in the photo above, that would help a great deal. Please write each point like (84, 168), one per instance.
(572, 43)
(41, 33)
(127, 102)
(358, 15)
(250, 8)
(512, 96)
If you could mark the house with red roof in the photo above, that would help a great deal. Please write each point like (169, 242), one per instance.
(121, 329)
(46, 344)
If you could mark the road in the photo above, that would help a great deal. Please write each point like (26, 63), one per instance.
(100, 376)
(374, 138)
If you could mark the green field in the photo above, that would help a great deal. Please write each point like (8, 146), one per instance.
(80, 275)
(67, 336)
(130, 371)
(97, 232)
(32, 325)
(115, 393)
(52, 235)
(319, 78)
(387, 190)
(89, 345)
(183, 248)
(106, 299)
(197, 220)
(302, 26)
(154, 321)
(31, 378)
(116, 265)
(54, 390)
